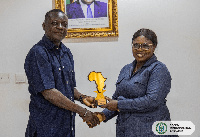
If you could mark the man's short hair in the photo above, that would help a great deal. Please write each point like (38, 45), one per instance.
(47, 15)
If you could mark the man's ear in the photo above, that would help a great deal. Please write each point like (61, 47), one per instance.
(43, 26)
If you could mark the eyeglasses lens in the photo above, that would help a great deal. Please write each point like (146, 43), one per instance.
(143, 46)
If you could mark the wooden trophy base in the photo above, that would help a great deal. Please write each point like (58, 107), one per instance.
(100, 102)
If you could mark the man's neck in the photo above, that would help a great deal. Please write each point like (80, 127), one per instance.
(56, 43)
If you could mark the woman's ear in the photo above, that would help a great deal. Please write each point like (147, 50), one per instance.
(154, 47)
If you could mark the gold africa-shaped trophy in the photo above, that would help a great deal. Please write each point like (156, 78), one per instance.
(99, 80)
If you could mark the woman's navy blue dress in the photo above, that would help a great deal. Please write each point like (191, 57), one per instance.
(141, 99)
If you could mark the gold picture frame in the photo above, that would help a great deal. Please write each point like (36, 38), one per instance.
(111, 31)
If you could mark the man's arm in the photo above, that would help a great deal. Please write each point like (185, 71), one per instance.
(57, 98)
(77, 94)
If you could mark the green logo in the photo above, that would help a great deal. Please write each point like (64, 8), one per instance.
(161, 128)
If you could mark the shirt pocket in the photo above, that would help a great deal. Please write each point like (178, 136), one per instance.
(147, 119)
(123, 118)
(56, 68)
(70, 76)
(141, 81)
(140, 85)
(146, 122)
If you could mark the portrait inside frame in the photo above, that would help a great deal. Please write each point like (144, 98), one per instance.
(98, 19)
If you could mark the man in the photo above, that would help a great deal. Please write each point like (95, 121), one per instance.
(49, 67)
(86, 9)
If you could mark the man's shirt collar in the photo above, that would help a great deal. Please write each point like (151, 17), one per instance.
(49, 44)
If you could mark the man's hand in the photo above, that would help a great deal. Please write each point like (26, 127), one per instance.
(112, 105)
(89, 101)
(91, 119)
(100, 116)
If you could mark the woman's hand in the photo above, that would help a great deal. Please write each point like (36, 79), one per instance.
(112, 105)
(100, 115)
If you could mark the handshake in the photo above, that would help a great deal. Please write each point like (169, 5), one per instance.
(95, 118)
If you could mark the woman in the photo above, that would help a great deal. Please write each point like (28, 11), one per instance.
(141, 89)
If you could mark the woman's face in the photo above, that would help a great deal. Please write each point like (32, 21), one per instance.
(142, 49)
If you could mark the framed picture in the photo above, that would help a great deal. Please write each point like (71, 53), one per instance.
(99, 19)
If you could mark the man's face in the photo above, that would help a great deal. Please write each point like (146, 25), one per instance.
(55, 27)
(87, 1)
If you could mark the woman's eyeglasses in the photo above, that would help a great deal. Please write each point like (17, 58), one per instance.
(143, 46)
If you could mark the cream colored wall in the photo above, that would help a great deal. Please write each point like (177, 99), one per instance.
(176, 23)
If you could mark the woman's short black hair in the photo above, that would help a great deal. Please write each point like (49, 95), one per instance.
(147, 33)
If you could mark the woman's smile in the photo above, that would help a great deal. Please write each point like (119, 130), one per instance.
(140, 55)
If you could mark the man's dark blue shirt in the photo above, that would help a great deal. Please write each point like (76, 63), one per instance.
(47, 67)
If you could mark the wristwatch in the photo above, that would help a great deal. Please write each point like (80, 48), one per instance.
(85, 113)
